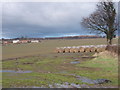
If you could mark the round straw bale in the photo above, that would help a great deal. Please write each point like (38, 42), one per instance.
(81, 49)
(67, 50)
(60, 50)
(75, 50)
(103, 49)
(57, 50)
(92, 49)
(71, 50)
(95, 49)
(87, 49)
(63, 50)
(99, 49)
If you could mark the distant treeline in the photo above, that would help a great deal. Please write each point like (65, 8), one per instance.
(75, 37)
(67, 37)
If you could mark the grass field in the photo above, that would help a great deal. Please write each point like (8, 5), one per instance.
(48, 67)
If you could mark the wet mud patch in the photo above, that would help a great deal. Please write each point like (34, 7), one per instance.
(90, 81)
(90, 68)
(26, 63)
(13, 71)
(88, 57)
(75, 62)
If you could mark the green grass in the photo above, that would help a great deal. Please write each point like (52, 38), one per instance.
(36, 79)
(39, 76)
(106, 67)
(56, 68)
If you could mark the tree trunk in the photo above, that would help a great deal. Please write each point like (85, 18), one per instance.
(109, 42)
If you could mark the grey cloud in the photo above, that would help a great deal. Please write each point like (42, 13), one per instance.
(44, 19)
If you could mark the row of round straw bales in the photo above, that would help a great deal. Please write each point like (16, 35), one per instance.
(76, 49)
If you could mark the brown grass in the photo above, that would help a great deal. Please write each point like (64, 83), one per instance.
(113, 48)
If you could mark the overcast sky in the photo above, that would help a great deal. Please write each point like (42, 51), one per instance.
(44, 19)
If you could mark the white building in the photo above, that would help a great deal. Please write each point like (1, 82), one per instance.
(16, 41)
(34, 41)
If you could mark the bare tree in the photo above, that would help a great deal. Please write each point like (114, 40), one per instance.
(103, 20)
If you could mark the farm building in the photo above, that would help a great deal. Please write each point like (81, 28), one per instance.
(16, 41)
(6, 42)
(24, 41)
(34, 41)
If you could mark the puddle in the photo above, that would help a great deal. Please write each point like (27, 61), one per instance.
(6, 71)
(90, 81)
(87, 57)
(64, 85)
(13, 71)
(86, 80)
(31, 87)
(75, 62)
